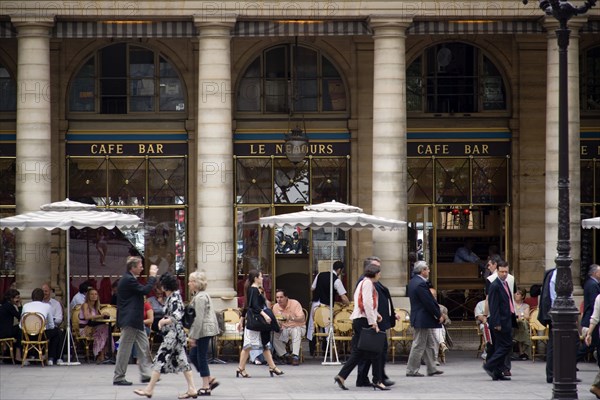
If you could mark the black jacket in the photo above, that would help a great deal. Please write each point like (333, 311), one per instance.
(545, 302)
(130, 301)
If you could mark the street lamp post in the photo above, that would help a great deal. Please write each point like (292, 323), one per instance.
(564, 313)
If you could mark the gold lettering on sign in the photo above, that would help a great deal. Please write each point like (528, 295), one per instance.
(260, 150)
(584, 150)
(150, 148)
(110, 148)
(433, 149)
(476, 149)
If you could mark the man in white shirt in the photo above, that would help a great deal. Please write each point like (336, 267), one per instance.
(52, 332)
(79, 298)
(57, 309)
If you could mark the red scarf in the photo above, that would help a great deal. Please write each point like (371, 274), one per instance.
(361, 305)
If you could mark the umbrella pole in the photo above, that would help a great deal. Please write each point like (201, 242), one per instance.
(69, 336)
(331, 346)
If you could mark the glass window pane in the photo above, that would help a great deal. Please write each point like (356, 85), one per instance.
(8, 173)
(590, 89)
(8, 91)
(87, 180)
(452, 180)
(587, 181)
(275, 63)
(276, 95)
(328, 70)
(597, 183)
(141, 63)
(83, 95)
(8, 248)
(414, 86)
(306, 63)
(328, 180)
(166, 181)
(307, 95)
(248, 95)
(334, 95)
(490, 180)
(253, 181)
(291, 182)
(127, 181)
(171, 95)
(493, 93)
(166, 69)
(420, 180)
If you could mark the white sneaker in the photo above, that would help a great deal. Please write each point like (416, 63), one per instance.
(50, 363)
(60, 362)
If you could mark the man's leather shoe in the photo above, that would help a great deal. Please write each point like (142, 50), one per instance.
(506, 373)
(596, 391)
(122, 383)
(414, 374)
(388, 382)
(146, 380)
(502, 378)
(438, 372)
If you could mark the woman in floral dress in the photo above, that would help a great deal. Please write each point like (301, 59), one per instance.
(171, 356)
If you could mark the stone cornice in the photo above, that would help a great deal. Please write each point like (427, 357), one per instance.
(32, 26)
(389, 25)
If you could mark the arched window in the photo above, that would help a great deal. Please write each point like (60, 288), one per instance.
(124, 78)
(454, 78)
(590, 80)
(8, 91)
(290, 78)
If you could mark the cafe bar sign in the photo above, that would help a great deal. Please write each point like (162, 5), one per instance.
(126, 149)
(416, 148)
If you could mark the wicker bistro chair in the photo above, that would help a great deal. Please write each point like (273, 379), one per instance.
(230, 335)
(84, 340)
(321, 325)
(33, 326)
(537, 332)
(10, 345)
(342, 330)
(401, 332)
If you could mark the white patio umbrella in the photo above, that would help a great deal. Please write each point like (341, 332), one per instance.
(64, 215)
(335, 215)
(590, 223)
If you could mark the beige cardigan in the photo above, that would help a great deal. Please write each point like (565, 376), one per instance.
(205, 324)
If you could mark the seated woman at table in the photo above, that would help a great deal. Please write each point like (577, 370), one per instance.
(521, 332)
(10, 312)
(92, 323)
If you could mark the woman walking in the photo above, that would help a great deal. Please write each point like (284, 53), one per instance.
(204, 328)
(171, 355)
(254, 340)
(364, 315)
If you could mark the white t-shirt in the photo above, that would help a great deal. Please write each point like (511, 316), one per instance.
(42, 308)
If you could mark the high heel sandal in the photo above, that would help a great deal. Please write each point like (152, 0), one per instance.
(338, 379)
(380, 386)
(241, 372)
(140, 392)
(204, 392)
(187, 395)
(275, 371)
(213, 383)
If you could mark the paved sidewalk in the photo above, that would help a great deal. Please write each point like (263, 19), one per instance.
(463, 379)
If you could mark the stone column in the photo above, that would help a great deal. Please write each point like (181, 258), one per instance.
(389, 145)
(214, 176)
(552, 150)
(33, 152)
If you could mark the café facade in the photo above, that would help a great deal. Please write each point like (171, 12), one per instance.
(442, 114)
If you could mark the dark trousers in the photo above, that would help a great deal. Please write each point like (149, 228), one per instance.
(363, 367)
(584, 349)
(502, 346)
(357, 355)
(198, 355)
(550, 358)
(55, 340)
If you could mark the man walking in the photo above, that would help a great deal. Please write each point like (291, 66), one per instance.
(130, 319)
(425, 315)
(501, 320)
(591, 289)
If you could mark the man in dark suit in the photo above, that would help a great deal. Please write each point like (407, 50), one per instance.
(591, 289)
(501, 320)
(385, 308)
(425, 315)
(130, 319)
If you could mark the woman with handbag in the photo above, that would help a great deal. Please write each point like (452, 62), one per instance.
(202, 331)
(171, 355)
(256, 308)
(364, 316)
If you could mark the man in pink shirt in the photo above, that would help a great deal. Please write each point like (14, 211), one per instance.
(292, 321)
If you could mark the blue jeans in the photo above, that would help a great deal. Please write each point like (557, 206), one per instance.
(198, 355)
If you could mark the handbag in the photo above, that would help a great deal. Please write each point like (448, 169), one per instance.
(371, 341)
(189, 315)
(256, 322)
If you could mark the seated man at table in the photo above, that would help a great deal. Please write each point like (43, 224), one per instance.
(52, 332)
(293, 326)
